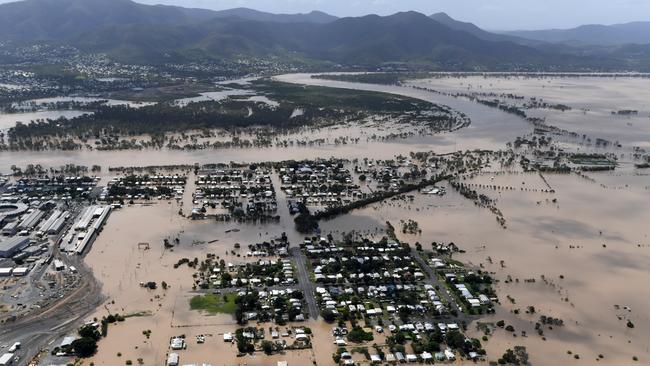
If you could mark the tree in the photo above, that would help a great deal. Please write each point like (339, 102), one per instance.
(455, 339)
(293, 313)
(167, 244)
(268, 347)
(84, 347)
(225, 279)
(404, 313)
(328, 316)
(305, 222)
(89, 331)
(240, 316)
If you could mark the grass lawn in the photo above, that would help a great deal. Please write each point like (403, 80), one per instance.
(214, 303)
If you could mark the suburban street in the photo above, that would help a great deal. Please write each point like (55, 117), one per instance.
(304, 282)
(435, 282)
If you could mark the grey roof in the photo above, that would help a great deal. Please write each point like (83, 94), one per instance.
(13, 243)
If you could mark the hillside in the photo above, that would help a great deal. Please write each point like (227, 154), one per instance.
(137, 33)
(250, 14)
(31, 20)
(365, 41)
(595, 34)
(63, 19)
(445, 19)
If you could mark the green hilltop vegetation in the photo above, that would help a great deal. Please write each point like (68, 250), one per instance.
(138, 33)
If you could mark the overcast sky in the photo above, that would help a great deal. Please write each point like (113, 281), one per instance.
(489, 14)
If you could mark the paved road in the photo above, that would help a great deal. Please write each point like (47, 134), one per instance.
(435, 281)
(287, 225)
(35, 331)
(304, 282)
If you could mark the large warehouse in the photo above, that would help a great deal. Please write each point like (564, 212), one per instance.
(11, 246)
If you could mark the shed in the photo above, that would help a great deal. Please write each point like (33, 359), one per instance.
(400, 357)
(173, 359)
(6, 359)
(20, 271)
(58, 265)
(12, 245)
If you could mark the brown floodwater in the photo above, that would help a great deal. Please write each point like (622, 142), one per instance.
(490, 129)
(592, 99)
(586, 246)
(592, 246)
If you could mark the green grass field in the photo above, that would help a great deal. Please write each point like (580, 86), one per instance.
(214, 303)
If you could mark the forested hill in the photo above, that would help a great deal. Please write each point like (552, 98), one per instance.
(137, 33)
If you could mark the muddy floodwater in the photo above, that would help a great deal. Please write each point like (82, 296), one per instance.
(588, 253)
(575, 247)
(489, 129)
(120, 260)
(8, 120)
(592, 99)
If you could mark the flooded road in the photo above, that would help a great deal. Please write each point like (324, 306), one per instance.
(580, 254)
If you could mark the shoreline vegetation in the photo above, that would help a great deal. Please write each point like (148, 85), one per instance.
(293, 107)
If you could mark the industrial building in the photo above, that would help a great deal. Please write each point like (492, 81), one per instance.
(31, 220)
(44, 228)
(58, 224)
(20, 271)
(12, 246)
(85, 218)
(10, 228)
(8, 210)
(7, 359)
(86, 229)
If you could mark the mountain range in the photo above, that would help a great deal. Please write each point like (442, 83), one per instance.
(132, 32)
(593, 34)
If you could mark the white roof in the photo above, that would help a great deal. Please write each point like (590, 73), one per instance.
(4, 359)
(67, 341)
(173, 358)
